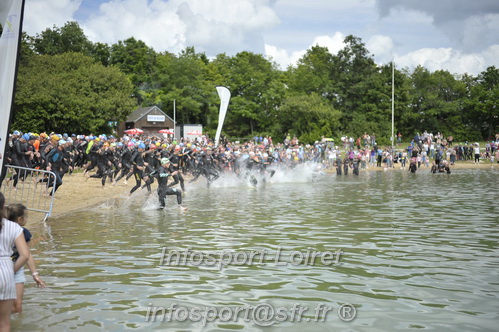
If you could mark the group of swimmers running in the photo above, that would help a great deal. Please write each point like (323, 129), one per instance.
(146, 158)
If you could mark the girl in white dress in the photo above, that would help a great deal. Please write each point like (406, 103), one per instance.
(10, 234)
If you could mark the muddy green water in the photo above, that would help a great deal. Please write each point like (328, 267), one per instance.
(420, 252)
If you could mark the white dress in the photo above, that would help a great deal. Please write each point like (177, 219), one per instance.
(10, 231)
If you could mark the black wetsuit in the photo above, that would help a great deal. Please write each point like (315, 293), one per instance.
(56, 158)
(152, 161)
(19, 158)
(413, 167)
(126, 163)
(116, 160)
(346, 162)
(162, 175)
(175, 165)
(355, 164)
(104, 162)
(204, 166)
(92, 156)
(138, 169)
(338, 165)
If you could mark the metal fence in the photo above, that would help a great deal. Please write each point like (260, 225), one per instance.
(33, 188)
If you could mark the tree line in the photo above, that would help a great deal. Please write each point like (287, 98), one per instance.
(66, 83)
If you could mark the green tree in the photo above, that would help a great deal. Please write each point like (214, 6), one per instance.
(101, 52)
(482, 106)
(135, 59)
(70, 93)
(308, 116)
(182, 78)
(69, 38)
(352, 72)
(436, 102)
(313, 73)
(257, 90)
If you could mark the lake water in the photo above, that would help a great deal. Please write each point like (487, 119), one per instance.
(419, 251)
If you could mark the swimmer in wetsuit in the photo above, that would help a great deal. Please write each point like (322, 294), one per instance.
(162, 174)
(138, 166)
(175, 165)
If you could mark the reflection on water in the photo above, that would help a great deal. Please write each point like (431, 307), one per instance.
(420, 252)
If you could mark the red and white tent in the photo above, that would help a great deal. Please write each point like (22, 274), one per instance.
(134, 131)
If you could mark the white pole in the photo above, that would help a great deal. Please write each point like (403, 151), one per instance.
(393, 103)
(174, 123)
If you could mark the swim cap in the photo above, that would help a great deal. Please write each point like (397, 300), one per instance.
(164, 161)
(61, 142)
(26, 137)
(142, 146)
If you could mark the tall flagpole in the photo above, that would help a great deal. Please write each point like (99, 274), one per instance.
(393, 104)
(174, 123)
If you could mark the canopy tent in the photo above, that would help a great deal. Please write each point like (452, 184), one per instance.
(134, 131)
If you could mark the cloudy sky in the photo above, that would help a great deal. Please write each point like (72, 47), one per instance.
(456, 35)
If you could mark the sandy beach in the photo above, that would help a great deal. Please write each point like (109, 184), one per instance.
(77, 193)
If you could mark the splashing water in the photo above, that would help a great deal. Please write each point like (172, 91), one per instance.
(152, 202)
(301, 173)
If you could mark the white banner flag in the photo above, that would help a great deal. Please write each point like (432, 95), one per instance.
(224, 95)
(11, 21)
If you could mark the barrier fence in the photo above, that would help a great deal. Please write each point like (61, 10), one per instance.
(33, 188)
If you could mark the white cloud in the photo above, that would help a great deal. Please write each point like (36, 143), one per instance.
(43, 14)
(477, 32)
(491, 56)
(381, 47)
(333, 44)
(414, 32)
(449, 59)
(471, 25)
(157, 24)
(213, 27)
(282, 57)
